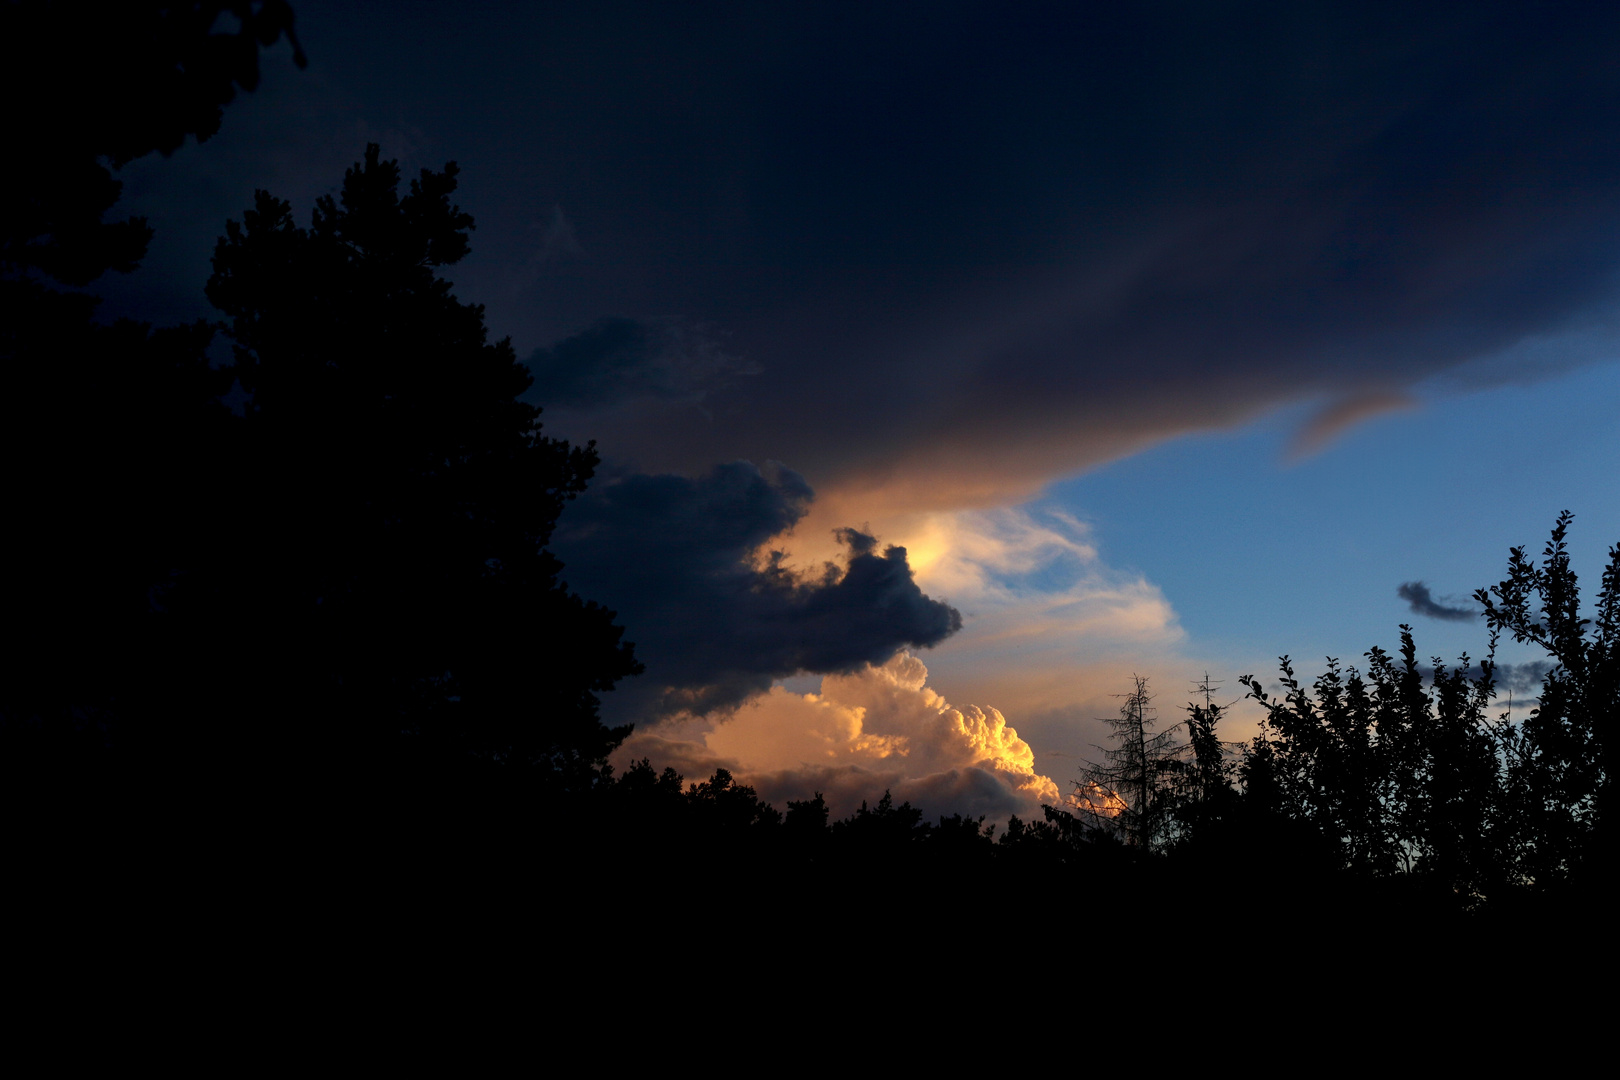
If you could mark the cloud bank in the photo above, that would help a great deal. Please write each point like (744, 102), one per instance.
(969, 252)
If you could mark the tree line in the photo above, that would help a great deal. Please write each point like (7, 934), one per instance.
(1402, 769)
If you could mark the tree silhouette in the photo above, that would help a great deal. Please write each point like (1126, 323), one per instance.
(391, 587)
(1132, 790)
(1388, 773)
(114, 439)
(127, 79)
(1561, 757)
(1205, 795)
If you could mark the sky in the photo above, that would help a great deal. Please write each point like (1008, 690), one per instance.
(951, 363)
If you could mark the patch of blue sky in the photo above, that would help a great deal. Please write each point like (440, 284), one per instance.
(1261, 555)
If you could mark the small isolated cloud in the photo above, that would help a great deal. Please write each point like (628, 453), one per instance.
(716, 620)
(1417, 595)
(877, 729)
(616, 361)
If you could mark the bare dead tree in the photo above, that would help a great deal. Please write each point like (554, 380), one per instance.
(1129, 792)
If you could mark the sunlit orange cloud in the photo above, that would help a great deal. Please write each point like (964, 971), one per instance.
(961, 467)
(874, 730)
(1053, 657)
(1022, 580)
(1095, 801)
(1051, 635)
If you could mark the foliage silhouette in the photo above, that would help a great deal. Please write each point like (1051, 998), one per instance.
(1392, 775)
(1386, 773)
(390, 580)
(136, 78)
(115, 441)
(1560, 759)
(1205, 797)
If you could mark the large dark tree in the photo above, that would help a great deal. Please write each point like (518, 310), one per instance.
(355, 564)
(389, 588)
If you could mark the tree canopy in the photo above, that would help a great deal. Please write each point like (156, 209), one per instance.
(397, 494)
(115, 441)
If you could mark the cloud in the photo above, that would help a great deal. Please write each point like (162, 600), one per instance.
(716, 619)
(616, 361)
(1050, 628)
(880, 728)
(1523, 681)
(1416, 594)
(964, 278)
(1341, 415)
(968, 254)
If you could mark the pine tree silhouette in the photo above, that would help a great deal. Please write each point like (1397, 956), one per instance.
(391, 586)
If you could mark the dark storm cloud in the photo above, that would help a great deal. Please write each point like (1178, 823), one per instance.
(674, 557)
(1416, 594)
(971, 247)
(622, 360)
(1042, 236)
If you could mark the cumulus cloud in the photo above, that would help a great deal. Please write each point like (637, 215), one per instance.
(1417, 596)
(716, 619)
(1047, 622)
(880, 728)
(1028, 576)
(1050, 632)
